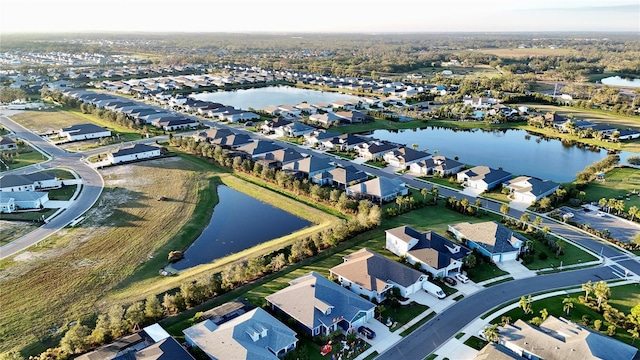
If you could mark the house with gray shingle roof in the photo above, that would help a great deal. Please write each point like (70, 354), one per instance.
(340, 176)
(483, 177)
(21, 200)
(310, 165)
(379, 189)
(492, 239)
(320, 306)
(435, 254)
(133, 153)
(560, 339)
(528, 189)
(436, 165)
(370, 274)
(29, 182)
(253, 335)
(258, 148)
(6, 143)
(376, 149)
(83, 132)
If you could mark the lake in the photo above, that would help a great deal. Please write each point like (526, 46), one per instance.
(239, 222)
(619, 81)
(259, 98)
(516, 151)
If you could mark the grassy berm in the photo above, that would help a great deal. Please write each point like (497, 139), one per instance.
(125, 237)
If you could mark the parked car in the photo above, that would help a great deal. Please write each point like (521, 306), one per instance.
(601, 214)
(365, 331)
(449, 281)
(462, 278)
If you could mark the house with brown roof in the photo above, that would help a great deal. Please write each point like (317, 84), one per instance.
(436, 254)
(370, 274)
(561, 339)
(492, 239)
(320, 306)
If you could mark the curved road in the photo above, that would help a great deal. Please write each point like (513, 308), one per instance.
(427, 338)
(92, 185)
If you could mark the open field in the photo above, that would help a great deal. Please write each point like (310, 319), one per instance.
(622, 297)
(11, 230)
(55, 119)
(520, 53)
(618, 183)
(597, 116)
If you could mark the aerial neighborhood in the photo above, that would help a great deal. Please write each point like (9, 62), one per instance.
(203, 198)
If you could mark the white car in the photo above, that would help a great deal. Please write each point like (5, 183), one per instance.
(462, 278)
(601, 214)
(569, 215)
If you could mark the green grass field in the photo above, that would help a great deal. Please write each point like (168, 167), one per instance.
(622, 297)
(22, 159)
(619, 183)
(572, 255)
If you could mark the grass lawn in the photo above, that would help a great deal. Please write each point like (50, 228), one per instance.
(378, 124)
(443, 182)
(475, 343)
(22, 159)
(403, 314)
(622, 297)
(572, 255)
(28, 215)
(484, 271)
(380, 164)
(64, 193)
(496, 195)
(619, 182)
(61, 174)
(598, 116)
(344, 155)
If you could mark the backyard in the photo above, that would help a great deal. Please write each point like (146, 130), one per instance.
(619, 183)
(26, 156)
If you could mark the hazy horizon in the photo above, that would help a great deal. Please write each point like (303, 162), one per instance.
(328, 16)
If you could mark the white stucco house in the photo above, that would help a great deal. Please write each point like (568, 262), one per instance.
(136, 152)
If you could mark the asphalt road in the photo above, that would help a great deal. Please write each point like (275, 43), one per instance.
(92, 185)
(449, 322)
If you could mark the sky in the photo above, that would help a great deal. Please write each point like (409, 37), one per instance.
(359, 16)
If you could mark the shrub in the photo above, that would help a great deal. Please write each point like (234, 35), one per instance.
(542, 256)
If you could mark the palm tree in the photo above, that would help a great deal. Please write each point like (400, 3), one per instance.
(544, 314)
(611, 203)
(587, 288)
(505, 320)
(560, 244)
(491, 333)
(504, 209)
(602, 202)
(524, 218)
(602, 292)
(434, 193)
(633, 211)
(424, 193)
(567, 305)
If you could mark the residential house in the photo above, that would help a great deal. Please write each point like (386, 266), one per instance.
(29, 182)
(323, 106)
(492, 239)
(22, 200)
(341, 177)
(136, 152)
(172, 123)
(529, 189)
(320, 306)
(310, 166)
(235, 115)
(318, 136)
(151, 343)
(404, 157)
(344, 104)
(625, 134)
(83, 132)
(375, 150)
(306, 108)
(493, 351)
(379, 189)
(278, 158)
(560, 339)
(269, 126)
(344, 142)
(483, 177)
(436, 165)
(326, 119)
(6, 143)
(289, 112)
(478, 102)
(372, 275)
(258, 148)
(232, 141)
(252, 335)
(350, 117)
(212, 134)
(436, 254)
(295, 129)
(548, 119)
